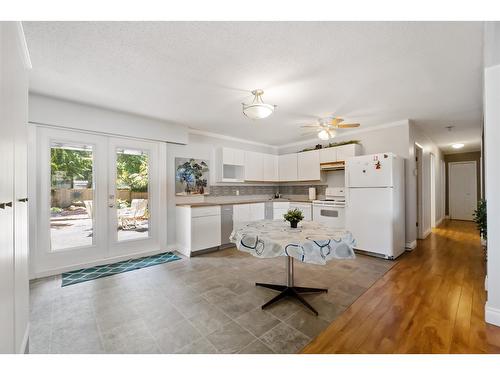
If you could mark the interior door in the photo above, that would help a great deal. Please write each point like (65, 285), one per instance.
(462, 190)
(133, 196)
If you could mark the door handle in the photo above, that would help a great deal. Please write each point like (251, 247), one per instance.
(23, 200)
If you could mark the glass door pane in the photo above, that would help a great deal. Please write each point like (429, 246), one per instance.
(71, 195)
(132, 194)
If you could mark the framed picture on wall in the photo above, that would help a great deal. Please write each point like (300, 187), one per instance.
(191, 176)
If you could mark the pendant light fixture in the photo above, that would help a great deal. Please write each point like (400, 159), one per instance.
(258, 110)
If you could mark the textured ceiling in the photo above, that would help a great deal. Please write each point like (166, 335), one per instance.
(198, 73)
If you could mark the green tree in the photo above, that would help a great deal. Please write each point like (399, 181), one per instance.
(132, 172)
(75, 164)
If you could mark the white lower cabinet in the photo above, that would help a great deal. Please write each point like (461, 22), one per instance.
(243, 213)
(279, 209)
(198, 228)
(257, 211)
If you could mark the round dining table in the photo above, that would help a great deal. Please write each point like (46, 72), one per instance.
(310, 242)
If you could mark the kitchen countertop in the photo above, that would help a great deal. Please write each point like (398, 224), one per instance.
(207, 204)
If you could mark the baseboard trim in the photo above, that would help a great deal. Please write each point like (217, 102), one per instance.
(492, 315)
(426, 233)
(438, 223)
(411, 245)
(24, 348)
(73, 267)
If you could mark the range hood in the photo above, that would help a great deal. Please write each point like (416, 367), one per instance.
(333, 166)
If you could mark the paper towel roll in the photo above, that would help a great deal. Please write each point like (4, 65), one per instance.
(312, 193)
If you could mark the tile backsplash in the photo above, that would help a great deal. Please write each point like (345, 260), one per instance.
(221, 191)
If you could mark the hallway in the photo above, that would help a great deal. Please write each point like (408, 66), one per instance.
(432, 301)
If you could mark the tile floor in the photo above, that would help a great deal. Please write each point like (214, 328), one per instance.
(206, 304)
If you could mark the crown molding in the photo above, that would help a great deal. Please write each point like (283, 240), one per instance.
(230, 138)
(23, 46)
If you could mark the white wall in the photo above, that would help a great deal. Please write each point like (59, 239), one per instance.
(46, 110)
(417, 136)
(492, 172)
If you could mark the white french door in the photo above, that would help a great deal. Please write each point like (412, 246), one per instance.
(133, 196)
(98, 199)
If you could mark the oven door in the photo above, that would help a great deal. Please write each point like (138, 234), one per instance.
(333, 217)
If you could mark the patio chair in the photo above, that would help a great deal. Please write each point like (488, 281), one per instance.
(89, 207)
(127, 217)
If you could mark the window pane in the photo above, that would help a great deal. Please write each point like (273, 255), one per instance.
(72, 195)
(132, 196)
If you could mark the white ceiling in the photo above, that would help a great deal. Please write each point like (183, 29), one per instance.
(198, 73)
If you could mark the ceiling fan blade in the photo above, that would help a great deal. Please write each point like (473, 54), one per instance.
(345, 126)
(310, 126)
(336, 120)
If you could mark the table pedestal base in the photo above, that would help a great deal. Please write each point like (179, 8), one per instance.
(290, 290)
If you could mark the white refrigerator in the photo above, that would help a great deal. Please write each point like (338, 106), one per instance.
(375, 203)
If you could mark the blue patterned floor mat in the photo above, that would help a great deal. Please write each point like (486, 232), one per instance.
(92, 273)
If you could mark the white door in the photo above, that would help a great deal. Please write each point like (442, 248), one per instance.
(97, 199)
(133, 196)
(462, 190)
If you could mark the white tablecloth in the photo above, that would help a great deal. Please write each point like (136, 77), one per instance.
(311, 242)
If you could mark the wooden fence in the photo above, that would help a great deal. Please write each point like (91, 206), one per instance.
(66, 197)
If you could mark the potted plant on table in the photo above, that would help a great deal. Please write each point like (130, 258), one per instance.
(294, 217)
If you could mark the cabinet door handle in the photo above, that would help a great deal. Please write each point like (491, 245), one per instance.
(24, 200)
(8, 204)
(3, 205)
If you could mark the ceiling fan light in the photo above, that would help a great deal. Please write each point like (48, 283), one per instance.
(457, 145)
(332, 133)
(258, 110)
(323, 135)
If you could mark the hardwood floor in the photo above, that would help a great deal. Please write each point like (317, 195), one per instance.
(431, 301)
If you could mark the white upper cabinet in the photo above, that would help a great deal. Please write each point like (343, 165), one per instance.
(287, 165)
(347, 151)
(254, 166)
(328, 155)
(271, 170)
(308, 166)
(231, 156)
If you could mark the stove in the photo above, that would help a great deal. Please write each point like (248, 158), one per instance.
(331, 210)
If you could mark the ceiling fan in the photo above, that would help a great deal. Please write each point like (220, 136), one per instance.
(326, 128)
